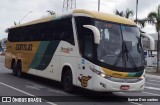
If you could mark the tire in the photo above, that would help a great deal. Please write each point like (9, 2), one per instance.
(19, 69)
(13, 67)
(109, 93)
(68, 81)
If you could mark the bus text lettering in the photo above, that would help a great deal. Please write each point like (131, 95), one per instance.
(24, 47)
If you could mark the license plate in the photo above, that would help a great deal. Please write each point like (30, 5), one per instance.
(124, 87)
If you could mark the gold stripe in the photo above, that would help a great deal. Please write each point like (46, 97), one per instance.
(107, 17)
(115, 73)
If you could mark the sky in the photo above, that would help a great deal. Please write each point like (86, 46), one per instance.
(22, 11)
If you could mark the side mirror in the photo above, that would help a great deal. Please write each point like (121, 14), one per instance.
(95, 32)
(152, 42)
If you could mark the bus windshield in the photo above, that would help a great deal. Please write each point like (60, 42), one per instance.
(120, 46)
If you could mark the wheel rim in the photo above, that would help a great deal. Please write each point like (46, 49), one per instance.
(14, 69)
(68, 81)
(19, 70)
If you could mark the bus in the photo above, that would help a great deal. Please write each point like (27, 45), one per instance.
(87, 49)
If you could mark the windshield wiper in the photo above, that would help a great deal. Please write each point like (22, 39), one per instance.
(122, 54)
(125, 54)
(119, 56)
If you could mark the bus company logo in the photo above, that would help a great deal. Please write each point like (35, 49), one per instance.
(117, 74)
(66, 50)
(84, 80)
(24, 47)
(6, 99)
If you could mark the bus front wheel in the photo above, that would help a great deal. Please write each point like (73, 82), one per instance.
(67, 81)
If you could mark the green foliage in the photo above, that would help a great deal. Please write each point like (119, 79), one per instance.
(154, 18)
(141, 22)
(127, 14)
(119, 13)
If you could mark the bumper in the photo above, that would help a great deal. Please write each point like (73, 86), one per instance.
(102, 84)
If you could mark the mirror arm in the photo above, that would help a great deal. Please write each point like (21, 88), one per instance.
(152, 42)
(95, 31)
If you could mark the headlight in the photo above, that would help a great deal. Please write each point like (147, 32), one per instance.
(142, 77)
(101, 74)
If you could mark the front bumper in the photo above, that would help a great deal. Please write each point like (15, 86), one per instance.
(103, 84)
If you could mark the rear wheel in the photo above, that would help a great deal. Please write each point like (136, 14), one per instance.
(13, 67)
(67, 81)
(19, 69)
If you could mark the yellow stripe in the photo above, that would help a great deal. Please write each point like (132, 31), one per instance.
(115, 73)
(94, 14)
(107, 17)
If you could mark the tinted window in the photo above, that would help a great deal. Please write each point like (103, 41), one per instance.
(54, 30)
(63, 30)
(85, 36)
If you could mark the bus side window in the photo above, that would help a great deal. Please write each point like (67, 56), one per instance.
(62, 30)
(49, 31)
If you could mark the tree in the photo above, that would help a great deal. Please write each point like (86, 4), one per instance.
(0, 45)
(154, 19)
(119, 13)
(127, 14)
(51, 12)
(141, 22)
(15, 23)
(7, 30)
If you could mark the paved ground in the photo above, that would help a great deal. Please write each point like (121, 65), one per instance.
(35, 86)
(154, 73)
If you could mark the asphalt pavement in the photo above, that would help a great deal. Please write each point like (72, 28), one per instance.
(39, 87)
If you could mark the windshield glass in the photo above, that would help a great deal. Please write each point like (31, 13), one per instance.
(120, 45)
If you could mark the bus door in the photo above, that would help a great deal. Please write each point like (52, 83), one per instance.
(84, 63)
(85, 41)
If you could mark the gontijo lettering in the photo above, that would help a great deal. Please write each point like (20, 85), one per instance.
(24, 47)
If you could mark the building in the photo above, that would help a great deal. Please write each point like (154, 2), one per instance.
(3, 43)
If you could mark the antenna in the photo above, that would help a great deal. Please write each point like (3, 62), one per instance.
(69, 5)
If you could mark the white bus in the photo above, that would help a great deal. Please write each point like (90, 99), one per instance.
(92, 50)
